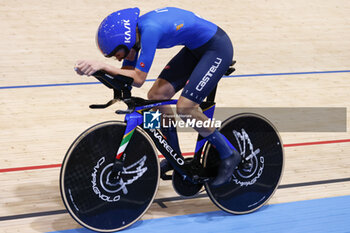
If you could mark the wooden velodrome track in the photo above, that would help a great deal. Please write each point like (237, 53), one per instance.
(41, 41)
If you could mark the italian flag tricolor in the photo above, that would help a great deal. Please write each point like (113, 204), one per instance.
(124, 143)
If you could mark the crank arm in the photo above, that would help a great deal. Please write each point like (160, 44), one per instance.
(200, 180)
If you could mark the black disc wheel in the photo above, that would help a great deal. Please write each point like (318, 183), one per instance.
(92, 197)
(255, 180)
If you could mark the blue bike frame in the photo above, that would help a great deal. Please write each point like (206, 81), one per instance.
(136, 118)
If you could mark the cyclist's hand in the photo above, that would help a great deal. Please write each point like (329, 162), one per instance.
(84, 67)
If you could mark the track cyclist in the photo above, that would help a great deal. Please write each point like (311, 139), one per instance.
(197, 68)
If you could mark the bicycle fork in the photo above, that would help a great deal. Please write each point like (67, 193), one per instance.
(133, 120)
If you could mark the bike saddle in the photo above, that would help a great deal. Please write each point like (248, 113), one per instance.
(231, 69)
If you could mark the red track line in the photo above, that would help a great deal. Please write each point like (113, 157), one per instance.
(29, 168)
(161, 156)
(317, 143)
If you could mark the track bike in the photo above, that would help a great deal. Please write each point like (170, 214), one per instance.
(110, 174)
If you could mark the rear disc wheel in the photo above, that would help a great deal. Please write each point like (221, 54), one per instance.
(257, 177)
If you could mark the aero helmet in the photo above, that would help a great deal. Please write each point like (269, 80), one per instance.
(118, 31)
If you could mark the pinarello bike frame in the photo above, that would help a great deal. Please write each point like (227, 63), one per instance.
(136, 119)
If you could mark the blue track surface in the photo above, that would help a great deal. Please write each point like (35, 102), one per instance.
(314, 216)
(151, 80)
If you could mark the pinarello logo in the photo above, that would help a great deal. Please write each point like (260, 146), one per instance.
(142, 64)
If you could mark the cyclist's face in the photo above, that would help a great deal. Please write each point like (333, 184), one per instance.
(120, 54)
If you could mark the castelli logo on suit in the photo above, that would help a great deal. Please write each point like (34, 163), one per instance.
(209, 74)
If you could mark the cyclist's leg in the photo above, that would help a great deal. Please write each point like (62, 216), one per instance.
(173, 78)
(162, 90)
(216, 56)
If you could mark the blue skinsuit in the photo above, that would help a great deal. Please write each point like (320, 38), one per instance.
(199, 65)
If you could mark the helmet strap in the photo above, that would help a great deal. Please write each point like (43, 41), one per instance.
(137, 45)
(119, 47)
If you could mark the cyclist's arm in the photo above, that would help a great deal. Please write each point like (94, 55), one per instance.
(138, 75)
(85, 67)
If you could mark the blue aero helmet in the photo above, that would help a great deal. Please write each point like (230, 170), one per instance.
(118, 31)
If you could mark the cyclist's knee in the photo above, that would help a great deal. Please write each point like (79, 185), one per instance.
(157, 95)
(151, 95)
(161, 90)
